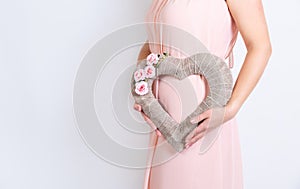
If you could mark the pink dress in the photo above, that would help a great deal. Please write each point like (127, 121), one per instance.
(220, 167)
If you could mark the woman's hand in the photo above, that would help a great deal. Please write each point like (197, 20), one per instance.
(208, 120)
(138, 107)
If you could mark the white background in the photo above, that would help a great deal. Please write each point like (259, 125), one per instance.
(41, 46)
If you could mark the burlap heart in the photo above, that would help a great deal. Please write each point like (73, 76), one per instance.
(219, 79)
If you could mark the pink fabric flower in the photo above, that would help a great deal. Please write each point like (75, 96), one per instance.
(152, 59)
(139, 75)
(149, 71)
(141, 88)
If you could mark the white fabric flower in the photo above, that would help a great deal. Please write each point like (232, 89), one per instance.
(139, 75)
(141, 88)
(152, 59)
(149, 71)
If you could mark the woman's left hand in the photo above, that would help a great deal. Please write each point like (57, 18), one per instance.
(209, 120)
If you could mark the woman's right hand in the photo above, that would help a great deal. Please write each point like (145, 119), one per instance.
(138, 107)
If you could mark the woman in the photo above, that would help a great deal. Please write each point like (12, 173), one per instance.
(216, 23)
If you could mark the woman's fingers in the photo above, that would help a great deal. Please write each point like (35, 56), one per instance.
(194, 139)
(196, 134)
(201, 117)
(202, 127)
(137, 107)
(158, 132)
(146, 118)
(189, 138)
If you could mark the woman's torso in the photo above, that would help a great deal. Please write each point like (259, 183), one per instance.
(207, 20)
(210, 23)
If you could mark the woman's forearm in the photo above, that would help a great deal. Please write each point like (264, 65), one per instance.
(253, 67)
(250, 20)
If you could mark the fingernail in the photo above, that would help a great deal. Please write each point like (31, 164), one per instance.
(158, 133)
(193, 120)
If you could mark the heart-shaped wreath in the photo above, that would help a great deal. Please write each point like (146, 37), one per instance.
(212, 67)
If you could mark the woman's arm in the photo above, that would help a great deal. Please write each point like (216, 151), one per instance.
(250, 20)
